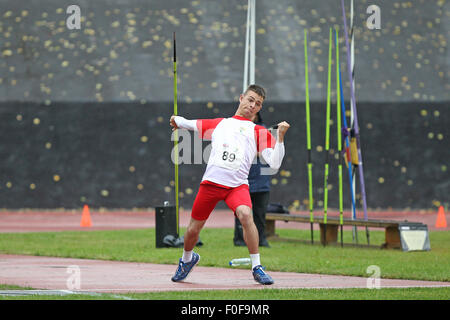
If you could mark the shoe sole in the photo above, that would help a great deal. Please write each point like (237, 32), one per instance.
(189, 271)
(264, 284)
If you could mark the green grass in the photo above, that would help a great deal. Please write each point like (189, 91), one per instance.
(263, 294)
(139, 246)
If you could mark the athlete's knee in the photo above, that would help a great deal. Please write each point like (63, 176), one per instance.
(195, 226)
(244, 214)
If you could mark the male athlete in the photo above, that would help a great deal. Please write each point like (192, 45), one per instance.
(235, 143)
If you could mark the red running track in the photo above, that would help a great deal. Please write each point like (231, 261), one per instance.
(64, 220)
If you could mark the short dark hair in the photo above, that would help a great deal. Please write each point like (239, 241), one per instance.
(256, 89)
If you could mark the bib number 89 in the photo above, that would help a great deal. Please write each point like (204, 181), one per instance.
(228, 156)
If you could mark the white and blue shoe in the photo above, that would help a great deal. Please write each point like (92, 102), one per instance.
(261, 276)
(184, 269)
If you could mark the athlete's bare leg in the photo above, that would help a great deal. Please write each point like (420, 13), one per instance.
(192, 233)
(250, 232)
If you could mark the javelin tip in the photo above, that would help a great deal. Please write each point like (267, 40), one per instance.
(174, 48)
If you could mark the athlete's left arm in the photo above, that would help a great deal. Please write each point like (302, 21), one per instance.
(273, 152)
(274, 157)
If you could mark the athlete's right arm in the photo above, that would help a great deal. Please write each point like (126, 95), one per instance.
(182, 123)
(204, 127)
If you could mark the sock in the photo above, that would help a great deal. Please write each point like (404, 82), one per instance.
(187, 256)
(255, 260)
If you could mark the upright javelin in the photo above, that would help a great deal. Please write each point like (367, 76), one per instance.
(308, 141)
(353, 103)
(339, 138)
(175, 112)
(327, 134)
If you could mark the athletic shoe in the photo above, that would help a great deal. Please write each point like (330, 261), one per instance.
(260, 276)
(184, 269)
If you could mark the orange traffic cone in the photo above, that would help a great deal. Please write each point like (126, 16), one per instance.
(86, 217)
(440, 221)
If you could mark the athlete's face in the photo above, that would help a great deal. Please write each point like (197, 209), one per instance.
(249, 104)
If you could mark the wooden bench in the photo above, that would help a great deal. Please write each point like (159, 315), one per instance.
(329, 233)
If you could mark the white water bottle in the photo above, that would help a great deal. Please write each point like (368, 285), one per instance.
(240, 262)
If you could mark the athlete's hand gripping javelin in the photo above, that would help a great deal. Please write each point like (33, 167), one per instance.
(173, 124)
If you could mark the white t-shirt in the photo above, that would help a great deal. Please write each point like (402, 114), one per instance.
(235, 143)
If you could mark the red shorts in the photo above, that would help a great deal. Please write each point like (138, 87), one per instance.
(209, 195)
